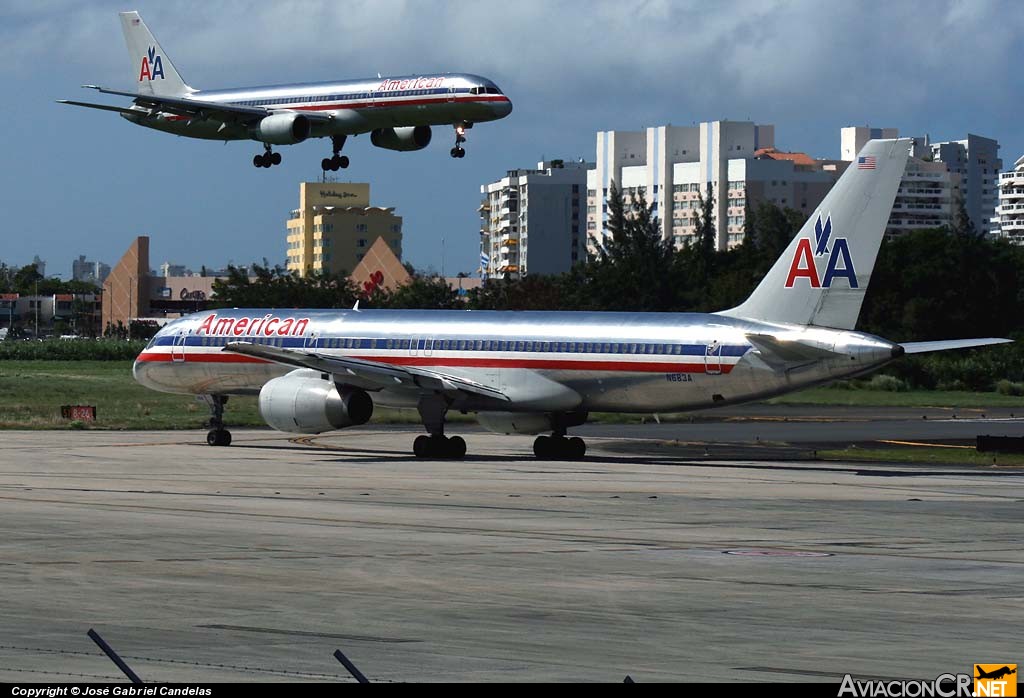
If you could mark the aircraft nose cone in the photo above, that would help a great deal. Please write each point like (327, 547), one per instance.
(503, 109)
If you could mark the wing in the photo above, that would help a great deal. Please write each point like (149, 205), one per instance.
(944, 344)
(372, 375)
(183, 106)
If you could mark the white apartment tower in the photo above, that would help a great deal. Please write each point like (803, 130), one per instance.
(531, 221)
(671, 165)
(1011, 203)
(928, 191)
(976, 160)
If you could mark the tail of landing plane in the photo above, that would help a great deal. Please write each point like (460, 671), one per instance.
(153, 70)
(822, 276)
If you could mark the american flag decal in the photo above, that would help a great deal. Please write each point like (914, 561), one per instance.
(866, 163)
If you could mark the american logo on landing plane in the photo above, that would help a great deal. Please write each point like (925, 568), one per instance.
(152, 66)
(266, 326)
(805, 267)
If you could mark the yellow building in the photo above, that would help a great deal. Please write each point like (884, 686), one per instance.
(335, 226)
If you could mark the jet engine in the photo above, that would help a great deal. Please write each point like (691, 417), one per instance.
(304, 403)
(282, 129)
(404, 138)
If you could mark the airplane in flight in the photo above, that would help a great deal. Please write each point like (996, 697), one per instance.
(537, 372)
(397, 112)
(995, 674)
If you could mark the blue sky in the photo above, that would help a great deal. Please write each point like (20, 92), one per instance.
(77, 181)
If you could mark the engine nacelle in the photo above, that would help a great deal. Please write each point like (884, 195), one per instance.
(282, 129)
(404, 138)
(304, 403)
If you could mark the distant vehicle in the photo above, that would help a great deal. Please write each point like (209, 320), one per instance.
(533, 372)
(397, 112)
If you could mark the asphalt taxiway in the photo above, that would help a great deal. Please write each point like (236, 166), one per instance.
(256, 562)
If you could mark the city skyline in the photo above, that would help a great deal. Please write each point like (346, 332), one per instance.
(203, 203)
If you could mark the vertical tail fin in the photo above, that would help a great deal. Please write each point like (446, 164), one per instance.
(823, 274)
(153, 70)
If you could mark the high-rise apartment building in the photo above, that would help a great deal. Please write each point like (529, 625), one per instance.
(334, 227)
(1011, 203)
(928, 191)
(532, 220)
(671, 165)
(976, 160)
(83, 269)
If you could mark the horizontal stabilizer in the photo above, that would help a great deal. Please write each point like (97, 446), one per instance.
(944, 344)
(368, 374)
(104, 107)
(787, 350)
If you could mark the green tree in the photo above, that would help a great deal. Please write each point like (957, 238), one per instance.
(274, 287)
(421, 293)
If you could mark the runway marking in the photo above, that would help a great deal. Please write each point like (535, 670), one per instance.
(920, 443)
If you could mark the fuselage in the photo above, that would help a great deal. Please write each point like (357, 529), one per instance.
(359, 106)
(623, 362)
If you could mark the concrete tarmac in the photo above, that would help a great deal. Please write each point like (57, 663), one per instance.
(255, 562)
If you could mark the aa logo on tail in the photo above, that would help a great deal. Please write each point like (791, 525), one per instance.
(152, 66)
(840, 263)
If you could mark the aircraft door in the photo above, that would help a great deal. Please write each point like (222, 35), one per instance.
(178, 347)
(713, 358)
(451, 94)
(428, 346)
(312, 341)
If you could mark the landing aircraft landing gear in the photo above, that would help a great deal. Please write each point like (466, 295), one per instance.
(268, 159)
(432, 410)
(460, 137)
(338, 161)
(218, 435)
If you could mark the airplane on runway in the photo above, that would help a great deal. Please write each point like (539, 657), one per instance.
(534, 372)
(397, 112)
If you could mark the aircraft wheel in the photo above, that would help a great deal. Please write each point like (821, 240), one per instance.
(542, 447)
(456, 447)
(462, 153)
(421, 446)
(257, 161)
(218, 437)
(325, 164)
(275, 158)
(343, 161)
(455, 152)
(577, 448)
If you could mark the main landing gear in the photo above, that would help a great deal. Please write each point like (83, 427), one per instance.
(558, 447)
(218, 435)
(338, 161)
(460, 137)
(268, 159)
(433, 410)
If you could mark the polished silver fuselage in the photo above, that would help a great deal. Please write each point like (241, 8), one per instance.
(543, 361)
(357, 106)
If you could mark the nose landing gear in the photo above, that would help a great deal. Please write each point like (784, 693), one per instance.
(460, 137)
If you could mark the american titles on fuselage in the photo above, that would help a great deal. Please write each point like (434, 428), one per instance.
(267, 326)
(421, 83)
